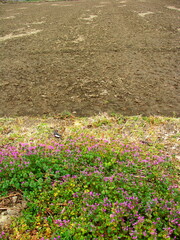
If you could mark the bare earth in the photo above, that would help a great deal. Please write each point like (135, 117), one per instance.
(90, 56)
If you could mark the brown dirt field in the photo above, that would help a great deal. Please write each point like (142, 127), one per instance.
(90, 56)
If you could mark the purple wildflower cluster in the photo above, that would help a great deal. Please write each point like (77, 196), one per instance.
(105, 186)
(2, 235)
(62, 223)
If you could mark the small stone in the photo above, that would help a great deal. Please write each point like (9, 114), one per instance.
(14, 199)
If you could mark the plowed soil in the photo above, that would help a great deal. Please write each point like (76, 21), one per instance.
(90, 56)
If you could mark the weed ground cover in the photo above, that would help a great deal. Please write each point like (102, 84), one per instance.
(91, 188)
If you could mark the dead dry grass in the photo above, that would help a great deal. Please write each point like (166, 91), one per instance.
(155, 131)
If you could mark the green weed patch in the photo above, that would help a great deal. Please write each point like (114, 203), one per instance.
(89, 188)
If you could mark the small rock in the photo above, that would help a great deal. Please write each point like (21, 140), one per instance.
(14, 199)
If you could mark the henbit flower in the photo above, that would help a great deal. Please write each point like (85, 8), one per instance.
(153, 232)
